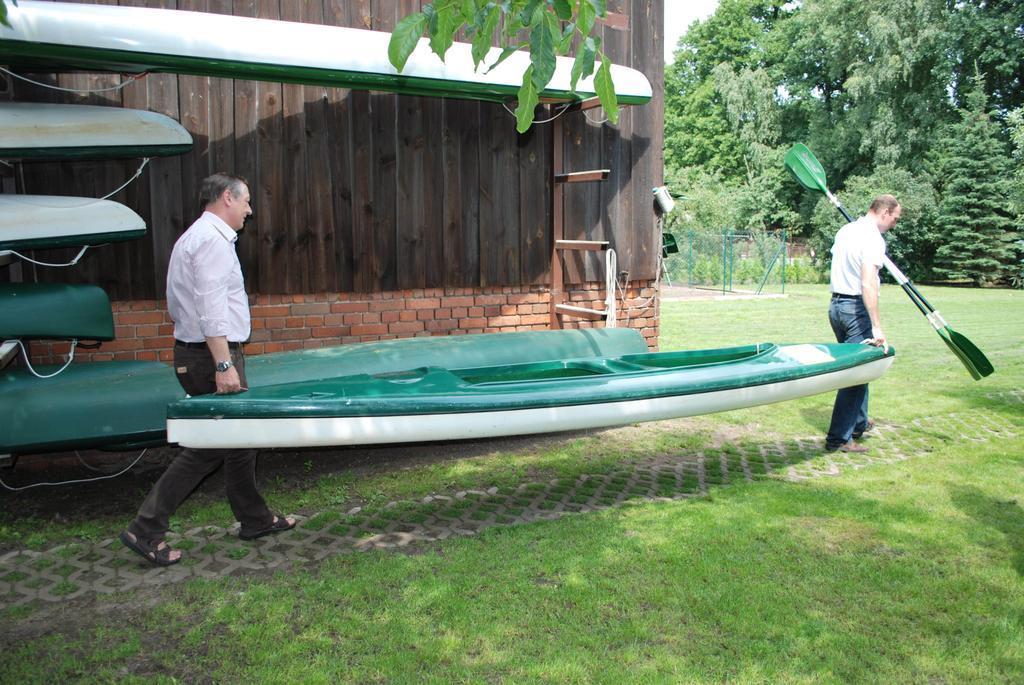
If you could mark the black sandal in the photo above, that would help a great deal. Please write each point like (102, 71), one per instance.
(278, 525)
(161, 556)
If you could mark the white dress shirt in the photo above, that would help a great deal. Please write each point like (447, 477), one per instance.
(205, 290)
(858, 242)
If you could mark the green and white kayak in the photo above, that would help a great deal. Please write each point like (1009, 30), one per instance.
(29, 222)
(431, 403)
(36, 130)
(62, 36)
(122, 404)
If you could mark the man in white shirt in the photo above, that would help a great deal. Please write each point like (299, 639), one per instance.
(857, 256)
(206, 299)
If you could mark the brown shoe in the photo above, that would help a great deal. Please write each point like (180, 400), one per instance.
(850, 446)
(870, 427)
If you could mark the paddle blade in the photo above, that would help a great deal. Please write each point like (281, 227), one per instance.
(969, 350)
(805, 168)
(957, 350)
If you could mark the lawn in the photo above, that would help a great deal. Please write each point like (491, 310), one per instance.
(907, 571)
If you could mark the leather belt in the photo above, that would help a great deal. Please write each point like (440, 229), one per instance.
(202, 345)
(844, 296)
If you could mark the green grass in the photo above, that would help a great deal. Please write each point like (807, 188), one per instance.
(909, 572)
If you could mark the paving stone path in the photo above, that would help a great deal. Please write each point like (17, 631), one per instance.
(72, 570)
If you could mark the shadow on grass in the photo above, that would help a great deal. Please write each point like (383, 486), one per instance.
(1006, 516)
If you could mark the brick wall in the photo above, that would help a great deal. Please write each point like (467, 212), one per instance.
(143, 329)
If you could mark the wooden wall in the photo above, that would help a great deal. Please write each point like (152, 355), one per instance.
(369, 192)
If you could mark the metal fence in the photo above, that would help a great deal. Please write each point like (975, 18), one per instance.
(730, 261)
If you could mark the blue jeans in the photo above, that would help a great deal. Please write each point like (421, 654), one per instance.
(851, 324)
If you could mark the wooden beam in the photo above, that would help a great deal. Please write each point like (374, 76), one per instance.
(592, 245)
(580, 312)
(583, 176)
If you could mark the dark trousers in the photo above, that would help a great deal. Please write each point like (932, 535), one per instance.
(196, 373)
(851, 324)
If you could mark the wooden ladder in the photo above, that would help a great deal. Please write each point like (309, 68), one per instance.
(559, 244)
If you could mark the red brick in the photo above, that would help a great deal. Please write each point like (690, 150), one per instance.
(273, 347)
(289, 334)
(439, 325)
(330, 331)
(127, 318)
(476, 311)
(490, 299)
(347, 307)
(165, 329)
(424, 303)
(462, 301)
(334, 320)
(311, 308)
(277, 310)
(146, 331)
(459, 312)
(166, 355)
(313, 321)
(533, 319)
(275, 322)
(504, 321)
(409, 314)
(93, 358)
(353, 319)
(473, 322)
(253, 348)
(387, 305)
(260, 335)
(124, 331)
(148, 355)
(293, 322)
(372, 317)
(369, 329)
(390, 317)
(312, 344)
(406, 327)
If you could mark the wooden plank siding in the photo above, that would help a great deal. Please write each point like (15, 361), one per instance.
(368, 192)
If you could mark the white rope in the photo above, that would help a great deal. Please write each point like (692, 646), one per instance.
(80, 480)
(91, 201)
(565, 108)
(131, 79)
(611, 281)
(38, 263)
(28, 364)
(595, 121)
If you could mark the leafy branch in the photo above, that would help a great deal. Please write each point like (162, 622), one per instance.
(547, 28)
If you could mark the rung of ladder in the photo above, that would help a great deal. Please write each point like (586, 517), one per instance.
(581, 244)
(583, 176)
(581, 312)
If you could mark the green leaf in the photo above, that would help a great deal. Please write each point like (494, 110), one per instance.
(583, 65)
(566, 40)
(542, 51)
(606, 90)
(563, 9)
(482, 40)
(528, 99)
(527, 16)
(442, 28)
(404, 39)
(600, 6)
(586, 18)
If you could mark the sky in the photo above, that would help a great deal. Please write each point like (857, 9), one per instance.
(678, 15)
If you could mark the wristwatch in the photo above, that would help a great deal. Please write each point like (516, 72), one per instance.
(224, 366)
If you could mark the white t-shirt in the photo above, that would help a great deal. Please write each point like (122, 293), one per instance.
(857, 243)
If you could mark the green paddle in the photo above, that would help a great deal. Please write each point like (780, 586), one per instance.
(809, 173)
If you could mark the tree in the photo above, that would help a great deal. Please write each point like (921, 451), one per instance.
(989, 35)
(552, 26)
(871, 78)
(976, 230)
(697, 131)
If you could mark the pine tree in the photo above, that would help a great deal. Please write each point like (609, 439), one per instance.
(976, 227)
